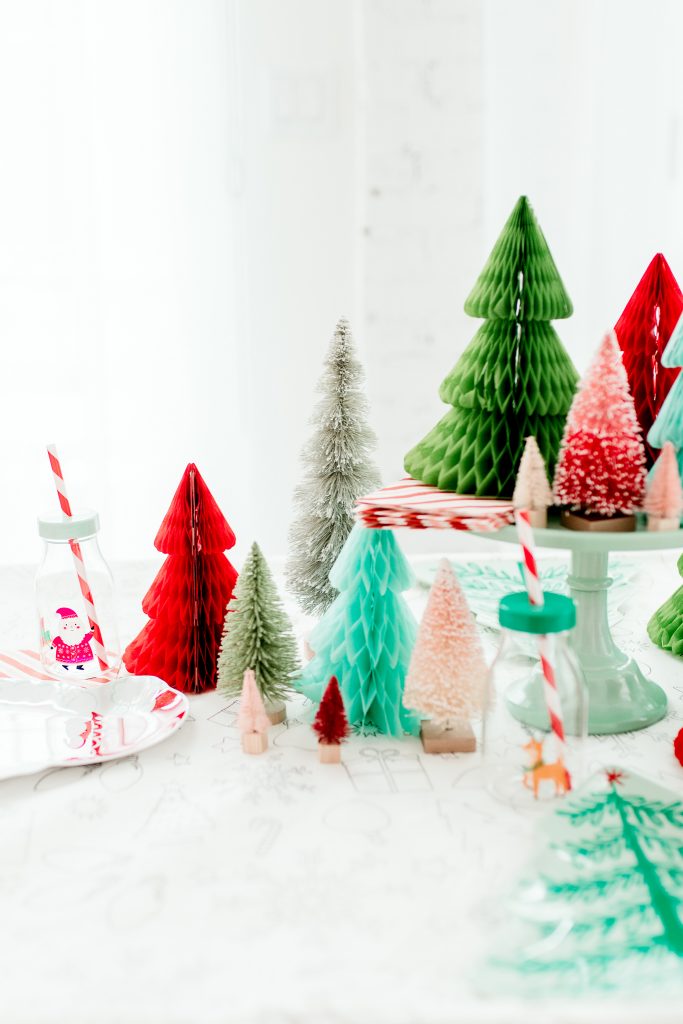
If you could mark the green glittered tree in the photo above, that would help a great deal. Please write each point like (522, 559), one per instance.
(257, 634)
(665, 628)
(603, 909)
(366, 636)
(513, 380)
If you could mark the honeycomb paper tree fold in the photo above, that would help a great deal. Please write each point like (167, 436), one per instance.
(601, 468)
(665, 628)
(643, 330)
(186, 602)
(513, 380)
(338, 468)
(258, 634)
(668, 425)
(664, 497)
(252, 715)
(447, 669)
(366, 636)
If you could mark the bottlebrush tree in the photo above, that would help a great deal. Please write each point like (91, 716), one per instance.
(664, 496)
(513, 379)
(338, 468)
(186, 602)
(252, 715)
(643, 331)
(258, 634)
(366, 636)
(532, 490)
(447, 670)
(601, 468)
(330, 723)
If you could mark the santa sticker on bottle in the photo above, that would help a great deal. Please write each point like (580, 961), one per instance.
(71, 643)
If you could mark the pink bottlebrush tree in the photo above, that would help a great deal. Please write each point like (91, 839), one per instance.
(601, 468)
(252, 716)
(447, 669)
(664, 497)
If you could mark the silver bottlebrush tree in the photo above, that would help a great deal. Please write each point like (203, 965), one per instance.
(338, 468)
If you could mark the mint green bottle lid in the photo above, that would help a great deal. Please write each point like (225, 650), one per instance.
(556, 615)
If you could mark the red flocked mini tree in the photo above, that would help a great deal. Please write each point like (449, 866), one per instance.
(643, 331)
(330, 722)
(601, 468)
(187, 600)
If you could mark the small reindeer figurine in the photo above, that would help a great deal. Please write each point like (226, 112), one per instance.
(538, 770)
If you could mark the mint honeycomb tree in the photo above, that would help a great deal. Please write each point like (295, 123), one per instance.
(668, 426)
(604, 915)
(366, 637)
(513, 380)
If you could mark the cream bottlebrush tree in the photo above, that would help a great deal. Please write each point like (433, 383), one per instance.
(257, 634)
(338, 469)
(532, 490)
(601, 468)
(447, 672)
(664, 496)
(252, 720)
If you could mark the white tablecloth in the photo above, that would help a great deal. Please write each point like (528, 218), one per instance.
(191, 883)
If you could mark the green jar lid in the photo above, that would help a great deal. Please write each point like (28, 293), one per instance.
(556, 615)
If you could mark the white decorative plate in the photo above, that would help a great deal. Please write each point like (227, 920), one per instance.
(50, 723)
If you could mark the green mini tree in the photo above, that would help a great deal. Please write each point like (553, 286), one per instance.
(513, 380)
(338, 469)
(606, 913)
(366, 637)
(257, 634)
(665, 628)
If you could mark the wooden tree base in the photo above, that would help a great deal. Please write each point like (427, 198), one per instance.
(254, 742)
(538, 517)
(330, 753)
(601, 524)
(658, 523)
(276, 711)
(457, 739)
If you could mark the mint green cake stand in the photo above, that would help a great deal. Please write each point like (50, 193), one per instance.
(621, 699)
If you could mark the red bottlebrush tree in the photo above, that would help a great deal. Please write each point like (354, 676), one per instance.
(330, 722)
(643, 331)
(187, 600)
(601, 468)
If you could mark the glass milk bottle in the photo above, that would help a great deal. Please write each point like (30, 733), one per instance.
(75, 601)
(536, 704)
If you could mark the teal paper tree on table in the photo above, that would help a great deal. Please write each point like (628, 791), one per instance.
(668, 425)
(514, 380)
(605, 911)
(366, 636)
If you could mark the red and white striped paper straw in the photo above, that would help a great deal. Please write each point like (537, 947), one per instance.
(535, 592)
(86, 592)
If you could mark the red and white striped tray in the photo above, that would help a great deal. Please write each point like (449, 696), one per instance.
(419, 507)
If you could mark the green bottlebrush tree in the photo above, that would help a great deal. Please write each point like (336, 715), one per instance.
(665, 628)
(513, 380)
(606, 913)
(257, 634)
(366, 637)
(338, 469)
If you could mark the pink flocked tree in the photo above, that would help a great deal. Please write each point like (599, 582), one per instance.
(252, 720)
(664, 497)
(601, 468)
(447, 670)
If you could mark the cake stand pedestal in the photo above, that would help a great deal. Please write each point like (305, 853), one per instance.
(621, 698)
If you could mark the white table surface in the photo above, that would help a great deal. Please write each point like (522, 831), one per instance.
(191, 883)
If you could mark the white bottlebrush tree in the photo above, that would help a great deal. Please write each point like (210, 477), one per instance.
(532, 489)
(338, 469)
